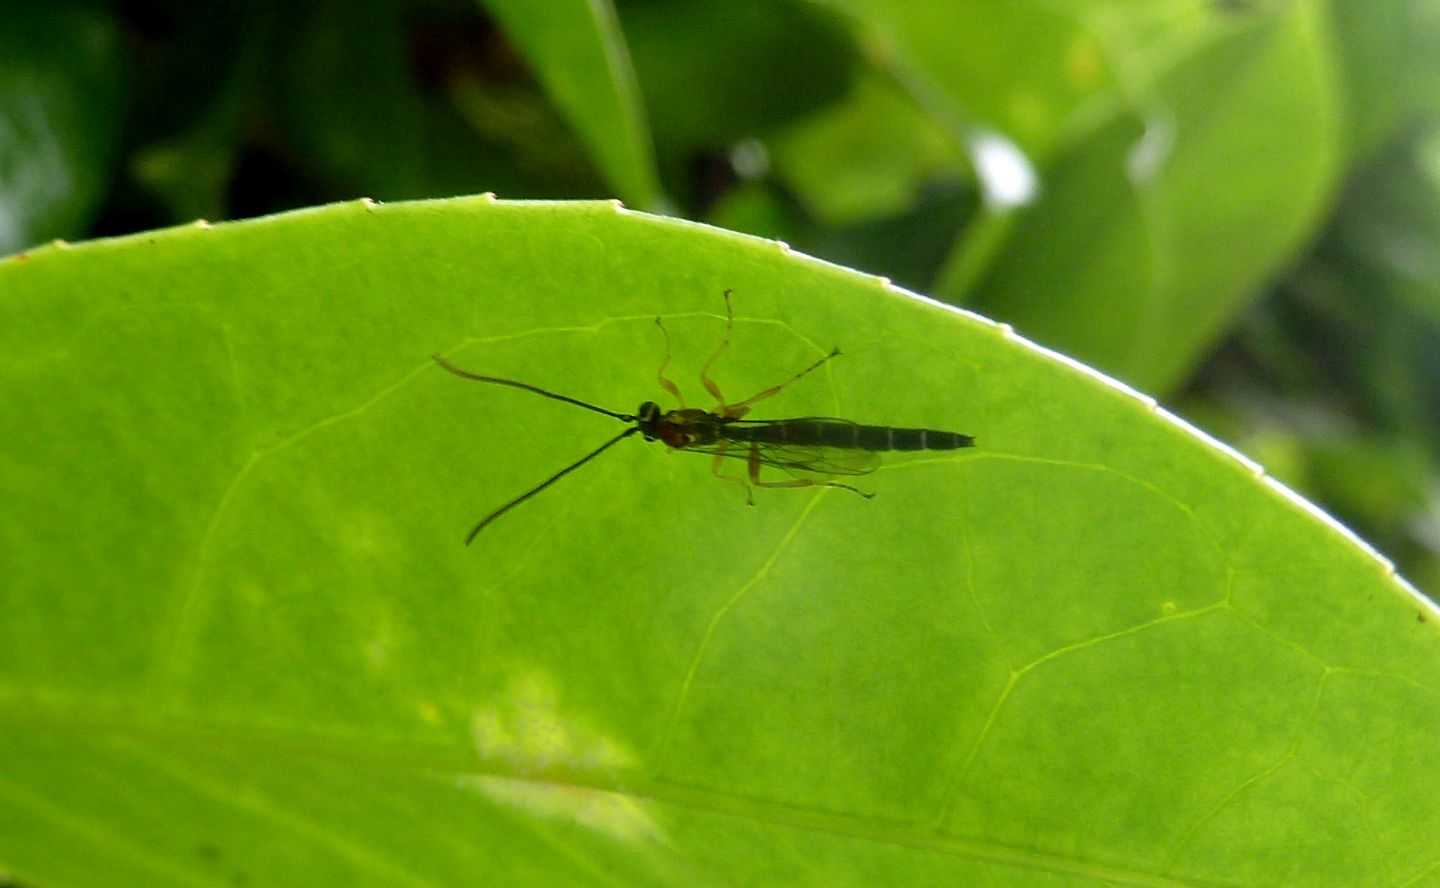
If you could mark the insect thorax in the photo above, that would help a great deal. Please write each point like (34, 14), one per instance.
(684, 428)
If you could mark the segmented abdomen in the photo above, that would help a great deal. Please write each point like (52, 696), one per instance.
(844, 434)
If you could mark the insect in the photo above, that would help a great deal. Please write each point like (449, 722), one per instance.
(811, 449)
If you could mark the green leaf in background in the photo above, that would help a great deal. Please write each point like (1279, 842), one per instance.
(1386, 250)
(362, 116)
(1184, 152)
(348, 99)
(1155, 232)
(1391, 58)
(714, 74)
(191, 168)
(1018, 67)
(243, 642)
(868, 156)
(61, 77)
(578, 52)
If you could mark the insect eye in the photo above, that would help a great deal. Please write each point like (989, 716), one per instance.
(648, 411)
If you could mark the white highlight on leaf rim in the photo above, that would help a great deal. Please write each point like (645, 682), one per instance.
(1154, 407)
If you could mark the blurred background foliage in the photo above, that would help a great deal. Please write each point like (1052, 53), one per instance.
(1230, 205)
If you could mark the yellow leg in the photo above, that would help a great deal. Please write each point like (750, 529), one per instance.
(666, 382)
(705, 379)
(735, 411)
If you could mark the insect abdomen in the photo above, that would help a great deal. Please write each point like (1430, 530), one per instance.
(921, 439)
(849, 435)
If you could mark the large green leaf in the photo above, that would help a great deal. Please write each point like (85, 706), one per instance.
(242, 641)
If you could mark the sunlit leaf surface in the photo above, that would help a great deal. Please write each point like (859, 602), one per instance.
(243, 642)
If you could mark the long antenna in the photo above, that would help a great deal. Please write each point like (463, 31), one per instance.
(553, 478)
(466, 374)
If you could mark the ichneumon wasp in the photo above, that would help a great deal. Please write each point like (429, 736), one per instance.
(817, 446)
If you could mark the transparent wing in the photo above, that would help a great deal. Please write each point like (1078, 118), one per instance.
(800, 460)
